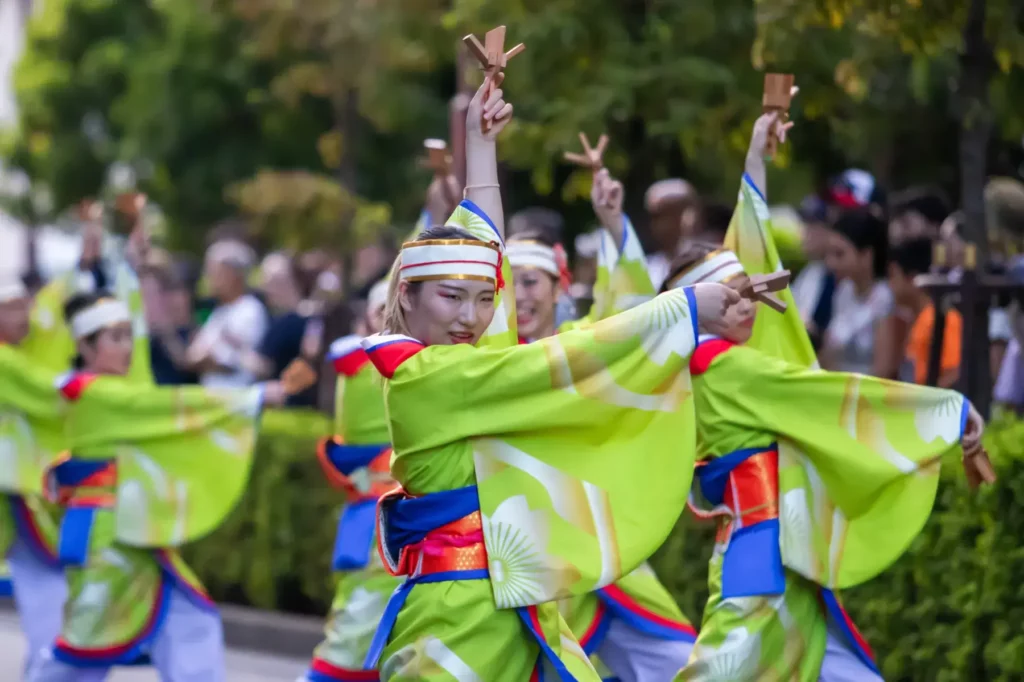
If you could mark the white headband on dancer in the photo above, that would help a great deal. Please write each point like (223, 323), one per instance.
(527, 253)
(437, 259)
(12, 291)
(719, 266)
(104, 313)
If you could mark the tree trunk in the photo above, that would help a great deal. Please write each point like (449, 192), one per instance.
(975, 114)
(975, 129)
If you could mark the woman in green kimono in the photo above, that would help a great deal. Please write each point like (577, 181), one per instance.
(149, 469)
(512, 456)
(819, 480)
(634, 628)
(28, 529)
(357, 460)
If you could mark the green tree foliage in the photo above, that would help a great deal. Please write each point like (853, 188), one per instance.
(200, 97)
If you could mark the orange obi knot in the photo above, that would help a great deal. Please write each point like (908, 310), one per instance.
(81, 483)
(451, 545)
(753, 490)
(457, 546)
(362, 472)
(741, 487)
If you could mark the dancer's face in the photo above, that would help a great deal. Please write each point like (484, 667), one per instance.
(737, 324)
(536, 299)
(446, 312)
(109, 351)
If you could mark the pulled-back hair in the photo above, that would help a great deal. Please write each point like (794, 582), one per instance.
(394, 316)
(865, 230)
(693, 252)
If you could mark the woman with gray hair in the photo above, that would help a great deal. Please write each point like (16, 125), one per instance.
(237, 324)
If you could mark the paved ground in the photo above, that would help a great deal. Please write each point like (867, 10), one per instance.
(243, 666)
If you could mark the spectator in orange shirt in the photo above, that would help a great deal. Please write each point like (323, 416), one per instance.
(906, 261)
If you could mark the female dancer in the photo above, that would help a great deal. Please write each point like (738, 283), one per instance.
(634, 626)
(512, 457)
(28, 531)
(356, 460)
(149, 469)
(819, 480)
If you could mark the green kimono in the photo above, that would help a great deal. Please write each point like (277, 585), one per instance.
(30, 437)
(49, 345)
(149, 470)
(819, 481)
(638, 598)
(358, 462)
(514, 458)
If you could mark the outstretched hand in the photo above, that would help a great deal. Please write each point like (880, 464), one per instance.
(977, 465)
(488, 104)
(606, 197)
(762, 129)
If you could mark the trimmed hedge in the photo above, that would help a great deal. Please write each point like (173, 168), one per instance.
(950, 609)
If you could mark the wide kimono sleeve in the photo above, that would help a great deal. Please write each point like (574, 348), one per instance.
(858, 456)
(623, 280)
(183, 454)
(565, 433)
(30, 423)
(750, 237)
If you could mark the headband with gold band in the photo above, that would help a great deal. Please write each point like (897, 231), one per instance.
(106, 312)
(526, 253)
(437, 259)
(720, 266)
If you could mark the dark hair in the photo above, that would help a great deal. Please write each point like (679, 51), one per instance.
(537, 219)
(535, 234)
(692, 253)
(929, 202)
(394, 317)
(865, 230)
(714, 221)
(913, 257)
(76, 304)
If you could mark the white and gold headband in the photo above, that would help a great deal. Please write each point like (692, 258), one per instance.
(719, 266)
(527, 253)
(12, 290)
(437, 259)
(106, 312)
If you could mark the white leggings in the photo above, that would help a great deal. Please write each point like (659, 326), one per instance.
(188, 648)
(39, 594)
(841, 664)
(637, 657)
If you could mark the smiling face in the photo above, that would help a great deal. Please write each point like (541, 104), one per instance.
(14, 320)
(845, 260)
(446, 312)
(109, 351)
(536, 298)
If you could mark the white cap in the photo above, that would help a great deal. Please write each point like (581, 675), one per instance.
(231, 252)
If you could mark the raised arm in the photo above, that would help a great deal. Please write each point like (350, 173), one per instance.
(481, 153)
(755, 167)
